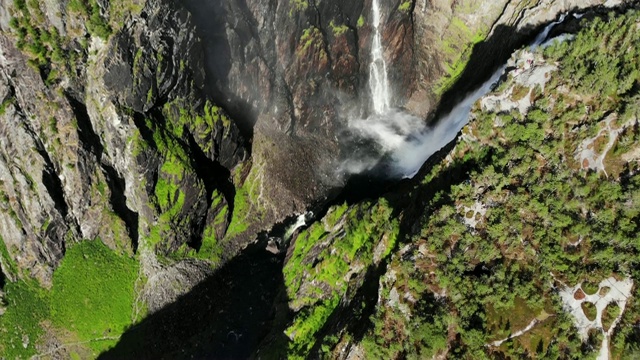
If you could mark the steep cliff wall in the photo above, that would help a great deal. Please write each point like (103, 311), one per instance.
(111, 136)
(179, 132)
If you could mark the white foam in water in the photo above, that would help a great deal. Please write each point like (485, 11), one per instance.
(409, 157)
(301, 221)
(405, 138)
(545, 33)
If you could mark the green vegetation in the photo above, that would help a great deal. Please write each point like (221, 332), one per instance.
(590, 287)
(335, 215)
(247, 205)
(8, 265)
(360, 22)
(90, 303)
(609, 315)
(93, 293)
(298, 5)
(169, 194)
(177, 177)
(366, 226)
(5, 103)
(239, 222)
(56, 56)
(338, 29)
(210, 249)
(46, 49)
(589, 310)
(307, 324)
(311, 41)
(27, 305)
(540, 204)
(457, 44)
(405, 6)
(204, 121)
(96, 24)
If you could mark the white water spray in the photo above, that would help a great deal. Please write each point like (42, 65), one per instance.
(378, 81)
(401, 137)
(300, 222)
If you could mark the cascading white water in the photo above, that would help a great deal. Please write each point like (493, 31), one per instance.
(300, 222)
(378, 81)
(545, 32)
(403, 139)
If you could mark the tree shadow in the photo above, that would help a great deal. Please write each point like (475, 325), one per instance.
(224, 317)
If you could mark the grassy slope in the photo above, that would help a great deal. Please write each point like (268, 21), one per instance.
(90, 303)
(93, 293)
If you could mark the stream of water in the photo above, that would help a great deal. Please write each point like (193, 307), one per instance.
(378, 80)
(401, 140)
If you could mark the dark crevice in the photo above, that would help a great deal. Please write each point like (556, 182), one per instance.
(50, 178)
(3, 280)
(118, 200)
(88, 138)
(52, 183)
(92, 143)
(288, 97)
(147, 134)
(214, 177)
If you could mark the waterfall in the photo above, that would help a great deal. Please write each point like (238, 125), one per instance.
(545, 32)
(395, 141)
(378, 81)
(300, 222)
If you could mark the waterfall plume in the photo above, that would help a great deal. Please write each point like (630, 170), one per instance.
(392, 142)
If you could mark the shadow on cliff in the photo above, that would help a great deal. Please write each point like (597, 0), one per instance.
(211, 19)
(224, 317)
(488, 55)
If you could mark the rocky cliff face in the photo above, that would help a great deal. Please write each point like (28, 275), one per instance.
(179, 132)
(128, 146)
(116, 112)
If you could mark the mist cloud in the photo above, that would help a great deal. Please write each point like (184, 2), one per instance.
(399, 143)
